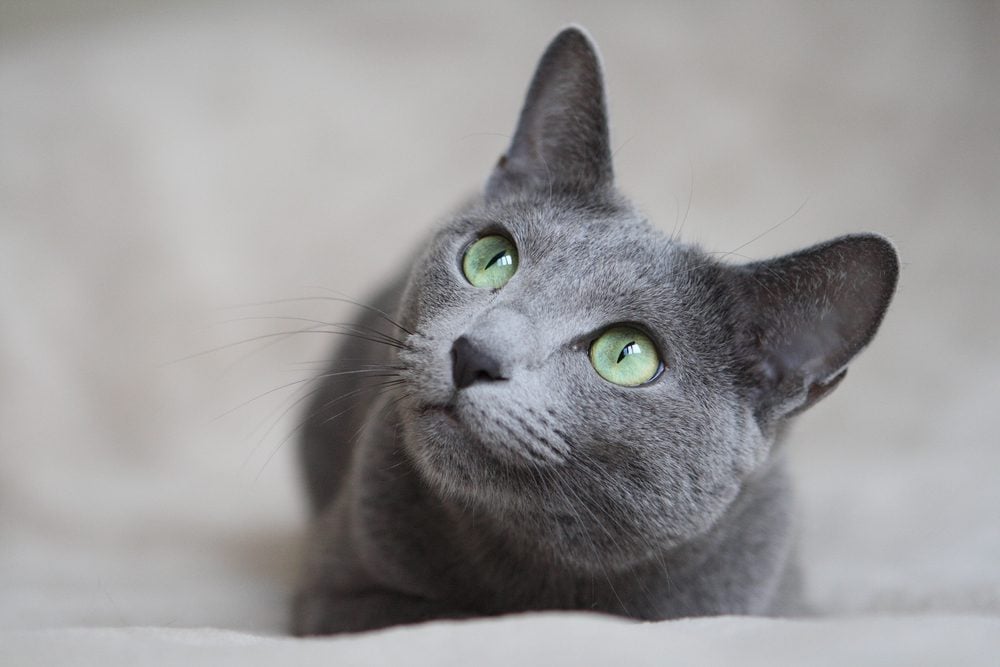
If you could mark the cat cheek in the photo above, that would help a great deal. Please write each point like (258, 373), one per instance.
(428, 383)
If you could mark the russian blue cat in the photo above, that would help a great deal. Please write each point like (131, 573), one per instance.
(579, 411)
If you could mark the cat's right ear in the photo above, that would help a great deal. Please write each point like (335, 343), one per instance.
(810, 313)
(561, 141)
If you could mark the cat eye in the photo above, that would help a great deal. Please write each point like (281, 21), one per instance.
(625, 356)
(490, 262)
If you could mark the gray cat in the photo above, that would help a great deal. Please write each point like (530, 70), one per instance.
(580, 412)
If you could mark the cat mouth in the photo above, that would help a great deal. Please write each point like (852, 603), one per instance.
(444, 411)
(473, 429)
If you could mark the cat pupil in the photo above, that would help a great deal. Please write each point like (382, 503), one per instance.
(502, 258)
(630, 348)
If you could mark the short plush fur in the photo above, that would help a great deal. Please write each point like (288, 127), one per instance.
(537, 484)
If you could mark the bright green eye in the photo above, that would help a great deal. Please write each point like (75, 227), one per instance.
(490, 262)
(626, 356)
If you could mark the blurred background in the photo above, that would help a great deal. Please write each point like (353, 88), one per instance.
(169, 170)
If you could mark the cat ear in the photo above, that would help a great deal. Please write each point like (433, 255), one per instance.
(812, 312)
(561, 141)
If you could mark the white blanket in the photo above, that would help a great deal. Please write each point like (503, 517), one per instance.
(160, 166)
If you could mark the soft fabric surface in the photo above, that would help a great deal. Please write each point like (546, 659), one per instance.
(160, 169)
(566, 639)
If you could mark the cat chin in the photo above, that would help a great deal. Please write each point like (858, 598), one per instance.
(537, 507)
(494, 478)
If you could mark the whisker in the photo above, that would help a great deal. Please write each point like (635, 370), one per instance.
(257, 350)
(371, 309)
(735, 251)
(373, 372)
(252, 339)
(245, 341)
(351, 327)
(381, 387)
(725, 253)
(291, 407)
(275, 418)
(622, 145)
(325, 363)
(676, 232)
(258, 397)
(769, 229)
(338, 299)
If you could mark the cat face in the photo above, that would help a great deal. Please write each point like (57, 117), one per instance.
(544, 433)
(596, 389)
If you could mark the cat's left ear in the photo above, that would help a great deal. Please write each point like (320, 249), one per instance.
(561, 141)
(811, 312)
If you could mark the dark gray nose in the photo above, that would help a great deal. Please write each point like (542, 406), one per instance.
(470, 364)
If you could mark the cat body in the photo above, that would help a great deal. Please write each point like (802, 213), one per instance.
(513, 465)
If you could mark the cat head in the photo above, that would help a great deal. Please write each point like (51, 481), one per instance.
(593, 385)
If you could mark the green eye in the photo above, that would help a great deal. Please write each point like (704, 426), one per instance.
(490, 262)
(626, 356)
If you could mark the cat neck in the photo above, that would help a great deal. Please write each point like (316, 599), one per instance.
(722, 569)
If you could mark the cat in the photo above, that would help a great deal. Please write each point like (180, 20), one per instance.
(579, 411)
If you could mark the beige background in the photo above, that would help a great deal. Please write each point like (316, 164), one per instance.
(160, 165)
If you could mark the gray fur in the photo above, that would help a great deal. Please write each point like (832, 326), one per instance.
(552, 488)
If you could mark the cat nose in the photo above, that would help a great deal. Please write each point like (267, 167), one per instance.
(470, 364)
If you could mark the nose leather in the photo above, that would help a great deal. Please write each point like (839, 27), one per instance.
(471, 364)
